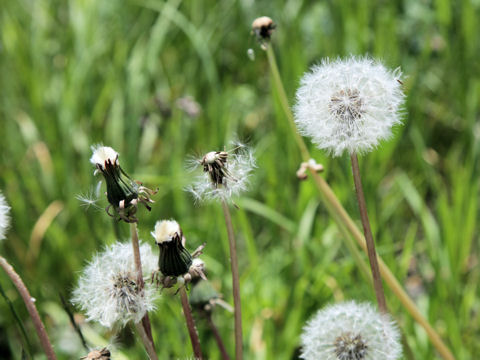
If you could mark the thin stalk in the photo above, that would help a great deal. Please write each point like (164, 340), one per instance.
(235, 283)
(372, 254)
(146, 341)
(218, 338)
(32, 310)
(192, 331)
(344, 220)
(138, 266)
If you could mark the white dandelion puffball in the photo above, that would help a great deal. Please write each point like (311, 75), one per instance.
(102, 154)
(108, 291)
(351, 331)
(348, 105)
(225, 174)
(4, 216)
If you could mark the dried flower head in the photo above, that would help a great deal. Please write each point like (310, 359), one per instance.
(123, 193)
(4, 216)
(225, 174)
(102, 354)
(349, 105)
(350, 331)
(108, 291)
(174, 259)
(262, 28)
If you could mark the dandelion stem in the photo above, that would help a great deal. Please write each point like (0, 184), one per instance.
(235, 283)
(339, 213)
(372, 254)
(218, 338)
(146, 341)
(138, 266)
(192, 331)
(32, 310)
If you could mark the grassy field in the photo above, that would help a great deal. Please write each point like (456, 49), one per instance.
(81, 72)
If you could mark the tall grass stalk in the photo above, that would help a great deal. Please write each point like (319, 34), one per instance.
(192, 331)
(32, 310)
(342, 218)
(235, 282)
(218, 338)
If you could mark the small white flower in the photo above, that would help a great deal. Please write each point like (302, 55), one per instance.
(348, 105)
(225, 174)
(4, 216)
(108, 291)
(350, 331)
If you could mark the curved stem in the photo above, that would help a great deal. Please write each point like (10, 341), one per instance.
(235, 283)
(218, 338)
(192, 331)
(372, 254)
(32, 310)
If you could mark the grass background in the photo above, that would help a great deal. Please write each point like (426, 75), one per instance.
(76, 73)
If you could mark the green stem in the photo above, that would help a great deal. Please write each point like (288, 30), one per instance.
(235, 283)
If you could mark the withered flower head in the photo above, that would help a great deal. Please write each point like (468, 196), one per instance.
(263, 28)
(123, 193)
(174, 259)
(102, 354)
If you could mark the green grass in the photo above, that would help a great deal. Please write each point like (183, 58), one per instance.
(76, 73)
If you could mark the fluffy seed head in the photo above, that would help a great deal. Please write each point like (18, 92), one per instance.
(225, 174)
(4, 216)
(350, 331)
(349, 105)
(166, 231)
(107, 290)
(102, 155)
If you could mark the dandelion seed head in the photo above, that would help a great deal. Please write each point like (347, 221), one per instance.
(103, 154)
(350, 331)
(225, 174)
(4, 216)
(166, 231)
(107, 290)
(349, 105)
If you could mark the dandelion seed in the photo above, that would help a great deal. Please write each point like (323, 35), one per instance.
(349, 105)
(4, 216)
(225, 174)
(251, 54)
(90, 199)
(123, 193)
(350, 331)
(107, 290)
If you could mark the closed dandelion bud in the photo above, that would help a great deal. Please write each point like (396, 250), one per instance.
(350, 331)
(103, 354)
(203, 296)
(349, 105)
(123, 193)
(262, 28)
(4, 216)
(108, 289)
(174, 259)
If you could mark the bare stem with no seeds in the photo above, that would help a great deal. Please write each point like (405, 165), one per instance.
(192, 331)
(235, 283)
(138, 266)
(372, 254)
(32, 310)
(218, 338)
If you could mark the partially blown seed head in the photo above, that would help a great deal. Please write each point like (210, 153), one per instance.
(108, 291)
(350, 331)
(349, 105)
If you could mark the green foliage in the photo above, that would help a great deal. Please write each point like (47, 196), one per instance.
(80, 72)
